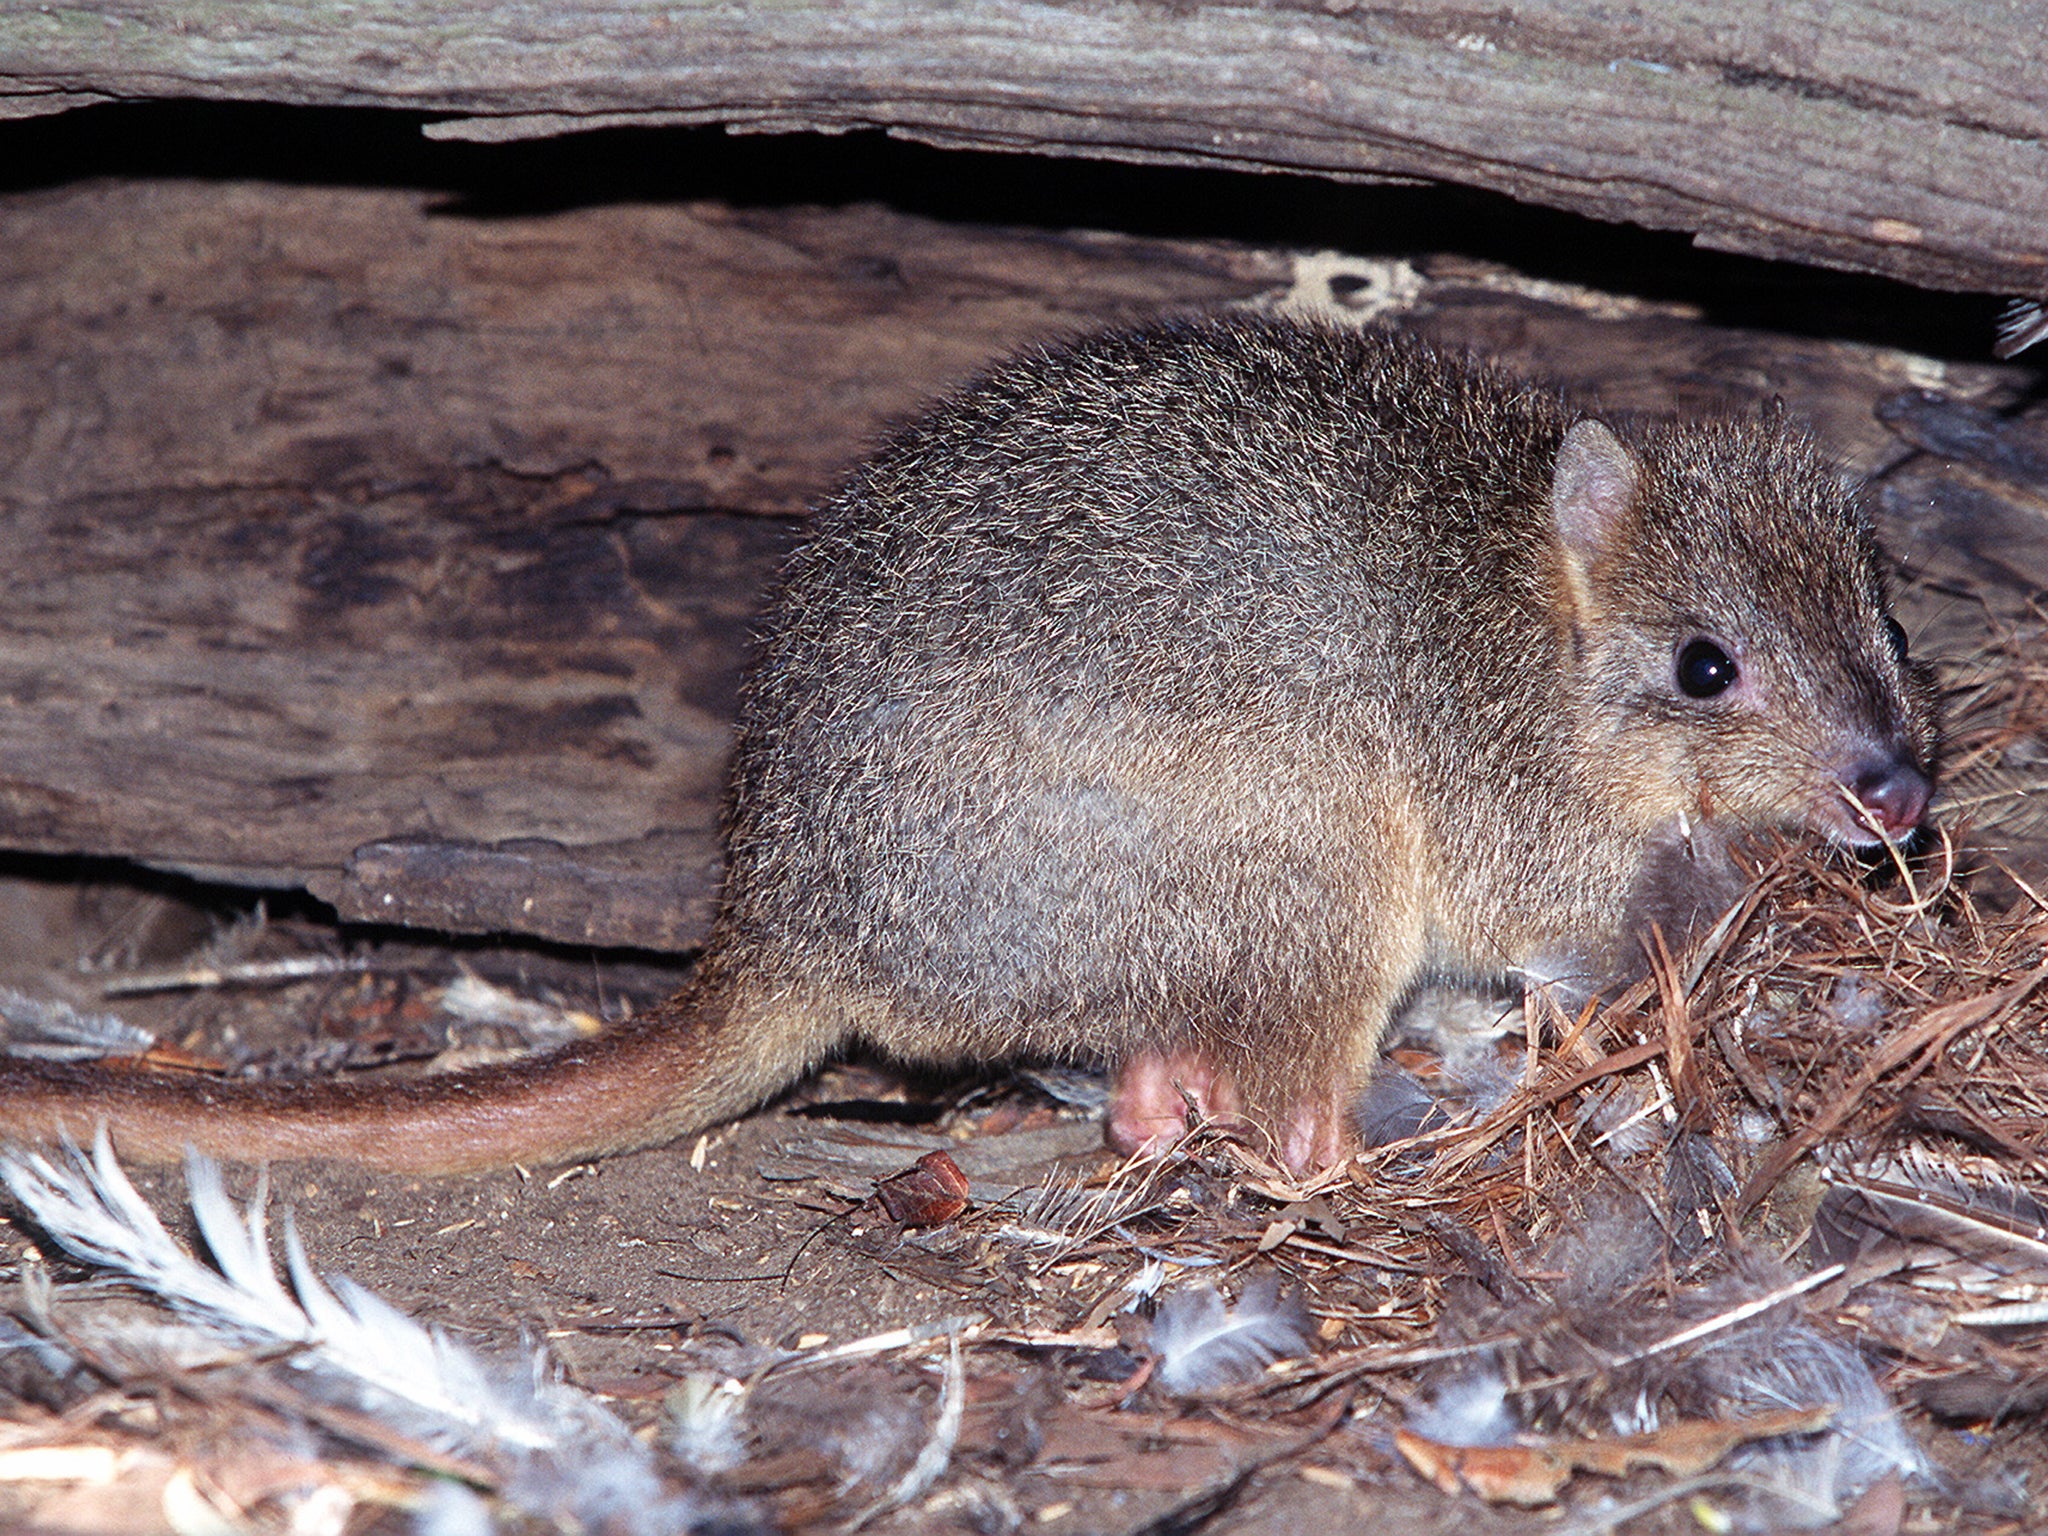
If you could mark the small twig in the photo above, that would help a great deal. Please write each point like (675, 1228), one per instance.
(1734, 1315)
(193, 977)
(1373, 1257)
(1718, 1323)
(955, 1329)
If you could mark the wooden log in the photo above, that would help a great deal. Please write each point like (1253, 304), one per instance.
(187, 336)
(1901, 138)
(355, 548)
(410, 559)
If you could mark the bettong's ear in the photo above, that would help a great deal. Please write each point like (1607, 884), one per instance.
(1592, 491)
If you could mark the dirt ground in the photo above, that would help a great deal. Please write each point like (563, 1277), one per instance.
(756, 1254)
(642, 1270)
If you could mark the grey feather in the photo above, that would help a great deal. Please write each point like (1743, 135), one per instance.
(566, 1457)
(2022, 323)
(1202, 1343)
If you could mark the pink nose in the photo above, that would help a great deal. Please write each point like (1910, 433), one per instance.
(1894, 797)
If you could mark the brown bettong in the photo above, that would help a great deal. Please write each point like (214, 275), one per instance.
(1178, 699)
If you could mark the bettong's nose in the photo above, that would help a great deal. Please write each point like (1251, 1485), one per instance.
(1892, 797)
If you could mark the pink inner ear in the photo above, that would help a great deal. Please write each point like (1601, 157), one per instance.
(1592, 489)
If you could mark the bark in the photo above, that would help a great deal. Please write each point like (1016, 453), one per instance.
(1902, 138)
(411, 559)
(359, 548)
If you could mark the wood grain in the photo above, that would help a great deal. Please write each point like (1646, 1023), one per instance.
(1903, 137)
(363, 549)
(410, 559)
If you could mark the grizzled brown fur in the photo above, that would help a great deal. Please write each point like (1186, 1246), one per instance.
(1182, 697)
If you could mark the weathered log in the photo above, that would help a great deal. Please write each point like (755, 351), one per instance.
(190, 336)
(409, 559)
(1903, 138)
(356, 548)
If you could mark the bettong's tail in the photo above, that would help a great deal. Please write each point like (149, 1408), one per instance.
(690, 1062)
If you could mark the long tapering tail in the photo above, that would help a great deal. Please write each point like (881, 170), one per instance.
(698, 1058)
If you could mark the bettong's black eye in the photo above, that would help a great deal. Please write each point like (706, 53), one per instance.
(1704, 669)
(1895, 636)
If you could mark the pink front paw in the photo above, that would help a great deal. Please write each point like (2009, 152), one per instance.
(1148, 1106)
(1314, 1135)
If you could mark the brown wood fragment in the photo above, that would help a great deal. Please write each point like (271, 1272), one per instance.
(929, 1193)
(1532, 1473)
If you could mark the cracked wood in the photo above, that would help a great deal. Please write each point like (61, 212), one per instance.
(1904, 138)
